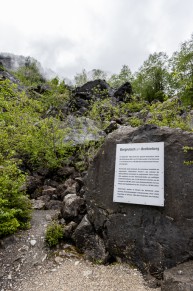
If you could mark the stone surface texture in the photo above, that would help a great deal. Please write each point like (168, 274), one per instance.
(152, 238)
(179, 278)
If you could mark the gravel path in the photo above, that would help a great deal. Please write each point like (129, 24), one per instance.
(27, 265)
(80, 275)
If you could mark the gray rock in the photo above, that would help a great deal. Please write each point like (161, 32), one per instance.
(71, 186)
(153, 238)
(49, 191)
(89, 243)
(66, 171)
(38, 204)
(73, 205)
(123, 93)
(53, 204)
(82, 130)
(92, 91)
(33, 182)
(179, 278)
(69, 229)
(33, 242)
(58, 260)
(44, 198)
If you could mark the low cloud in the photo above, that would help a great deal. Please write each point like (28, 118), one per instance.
(69, 36)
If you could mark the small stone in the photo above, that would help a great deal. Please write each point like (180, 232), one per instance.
(62, 221)
(23, 248)
(39, 267)
(58, 260)
(87, 273)
(76, 263)
(180, 272)
(48, 217)
(33, 242)
(135, 274)
(43, 259)
(9, 277)
(53, 270)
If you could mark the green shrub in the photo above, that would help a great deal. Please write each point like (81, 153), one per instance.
(168, 113)
(54, 233)
(135, 121)
(15, 207)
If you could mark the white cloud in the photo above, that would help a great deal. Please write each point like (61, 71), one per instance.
(68, 36)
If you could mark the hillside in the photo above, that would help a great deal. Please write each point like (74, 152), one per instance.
(47, 126)
(50, 133)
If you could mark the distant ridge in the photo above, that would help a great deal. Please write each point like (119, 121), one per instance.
(14, 62)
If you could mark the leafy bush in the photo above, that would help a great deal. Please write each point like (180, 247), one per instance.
(39, 141)
(54, 233)
(26, 139)
(15, 207)
(103, 111)
(168, 114)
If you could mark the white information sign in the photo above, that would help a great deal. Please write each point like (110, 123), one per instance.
(139, 173)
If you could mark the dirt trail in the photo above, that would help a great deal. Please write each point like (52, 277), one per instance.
(26, 264)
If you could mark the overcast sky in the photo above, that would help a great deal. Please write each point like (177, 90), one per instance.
(69, 35)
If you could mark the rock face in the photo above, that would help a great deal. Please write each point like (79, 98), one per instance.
(6, 75)
(89, 92)
(179, 278)
(96, 90)
(153, 238)
(82, 129)
(123, 92)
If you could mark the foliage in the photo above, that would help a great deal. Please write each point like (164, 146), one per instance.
(23, 130)
(181, 65)
(27, 140)
(30, 74)
(168, 114)
(103, 111)
(98, 74)
(151, 80)
(125, 75)
(186, 150)
(33, 128)
(15, 208)
(54, 233)
(86, 153)
(135, 105)
(81, 78)
(135, 121)
(56, 96)
(43, 144)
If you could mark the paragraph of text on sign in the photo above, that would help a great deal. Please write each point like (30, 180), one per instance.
(139, 174)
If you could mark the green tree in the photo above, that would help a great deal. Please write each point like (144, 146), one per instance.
(81, 78)
(98, 74)
(151, 80)
(125, 75)
(181, 65)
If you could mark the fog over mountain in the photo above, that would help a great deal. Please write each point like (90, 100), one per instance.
(68, 36)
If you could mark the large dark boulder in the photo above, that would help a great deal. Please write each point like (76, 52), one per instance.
(90, 243)
(84, 96)
(123, 93)
(152, 238)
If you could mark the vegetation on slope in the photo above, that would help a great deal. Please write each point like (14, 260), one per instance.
(32, 130)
